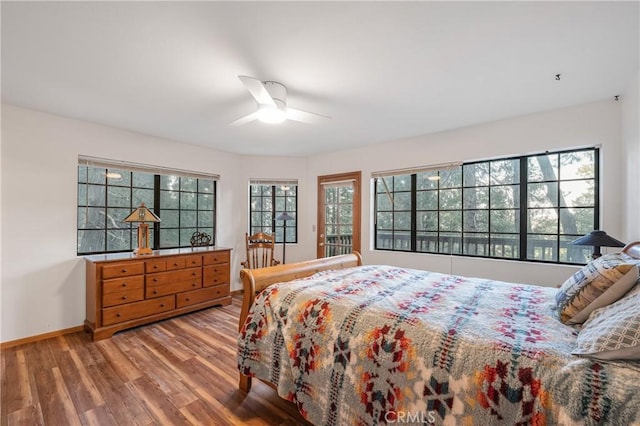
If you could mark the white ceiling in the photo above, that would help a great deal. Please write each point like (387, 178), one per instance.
(381, 70)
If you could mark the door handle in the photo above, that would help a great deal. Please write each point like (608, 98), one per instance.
(320, 244)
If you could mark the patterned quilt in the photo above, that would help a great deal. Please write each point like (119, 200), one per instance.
(378, 345)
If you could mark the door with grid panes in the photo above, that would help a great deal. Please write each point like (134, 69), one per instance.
(338, 214)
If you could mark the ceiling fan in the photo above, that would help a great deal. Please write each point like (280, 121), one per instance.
(271, 97)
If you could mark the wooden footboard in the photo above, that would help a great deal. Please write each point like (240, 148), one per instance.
(256, 280)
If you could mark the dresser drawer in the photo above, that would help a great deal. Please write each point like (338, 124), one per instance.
(215, 275)
(172, 288)
(122, 270)
(176, 263)
(215, 258)
(122, 284)
(202, 295)
(135, 310)
(193, 261)
(121, 297)
(163, 278)
(156, 265)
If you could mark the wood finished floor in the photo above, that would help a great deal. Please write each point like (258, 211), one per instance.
(181, 371)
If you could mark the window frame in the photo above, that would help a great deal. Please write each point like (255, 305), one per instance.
(156, 228)
(274, 226)
(521, 209)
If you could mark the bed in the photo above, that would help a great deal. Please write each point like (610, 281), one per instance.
(376, 344)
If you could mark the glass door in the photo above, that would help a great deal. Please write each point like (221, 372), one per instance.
(338, 214)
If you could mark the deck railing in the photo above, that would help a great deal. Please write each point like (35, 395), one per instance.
(500, 247)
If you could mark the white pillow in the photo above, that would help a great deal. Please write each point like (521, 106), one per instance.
(613, 332)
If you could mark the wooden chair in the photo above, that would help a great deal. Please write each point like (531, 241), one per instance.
(260, 249)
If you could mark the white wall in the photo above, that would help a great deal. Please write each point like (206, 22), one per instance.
(631, 143)
(43, 281)
(586, 125)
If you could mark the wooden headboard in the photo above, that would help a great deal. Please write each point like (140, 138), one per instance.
(632, 249)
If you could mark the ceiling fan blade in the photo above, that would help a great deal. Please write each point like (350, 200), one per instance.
(244, 120)
(305, 117)
(257, 90)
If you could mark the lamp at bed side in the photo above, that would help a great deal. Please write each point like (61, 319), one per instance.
(597, 239)
(284, 217)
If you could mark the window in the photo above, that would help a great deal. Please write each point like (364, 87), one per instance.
(106, 195)
(267, 200)
(523, 208)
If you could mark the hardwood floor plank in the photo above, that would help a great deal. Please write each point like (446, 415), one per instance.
(164, 376)
(31, 415)
(119, 361)
(55, 402)
(82, 390)
(123, 406)
(178, 371)
(16, 387)
(200, 413)
(99, 416)
(156, 402)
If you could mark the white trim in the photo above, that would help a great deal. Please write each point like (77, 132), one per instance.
(266, 181)
(346, 182)
(84, 160)
(414, 170)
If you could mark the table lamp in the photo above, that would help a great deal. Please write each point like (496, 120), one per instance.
(143, 215)
(284, 216)
(597, 239)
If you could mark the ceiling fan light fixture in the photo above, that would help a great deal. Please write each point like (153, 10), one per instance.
(271, 115)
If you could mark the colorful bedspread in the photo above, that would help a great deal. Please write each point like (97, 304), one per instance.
(382, 345)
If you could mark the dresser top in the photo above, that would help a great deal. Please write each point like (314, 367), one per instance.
(113, 257)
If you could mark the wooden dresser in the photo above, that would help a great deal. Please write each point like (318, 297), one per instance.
(124, 290)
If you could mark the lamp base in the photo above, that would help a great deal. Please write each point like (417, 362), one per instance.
(145, 251)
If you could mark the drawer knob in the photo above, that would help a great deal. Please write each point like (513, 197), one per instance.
(194, 274)
(118, 314)
(155, 266)
(124, 284)
(194, 284)
(215, 281)
(162, 305)
(124, 270)
(217, 291)
(155, 291)
(175, 264)
(124, 297)
(187, 299)
(155, 280)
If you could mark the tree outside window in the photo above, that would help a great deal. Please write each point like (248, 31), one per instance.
(267, 200)
(106, 196)
(523, 208)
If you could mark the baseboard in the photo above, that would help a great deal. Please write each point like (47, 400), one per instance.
(39, 337)
(51, 334)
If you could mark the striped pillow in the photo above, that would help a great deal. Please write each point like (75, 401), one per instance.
(599, 283)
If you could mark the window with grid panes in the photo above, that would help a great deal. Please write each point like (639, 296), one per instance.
(266, 202)
(523, 208)
(106, 196)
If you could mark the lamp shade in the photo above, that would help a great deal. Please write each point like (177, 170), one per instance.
(284, 216)
(598, 239)
(142, 214)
